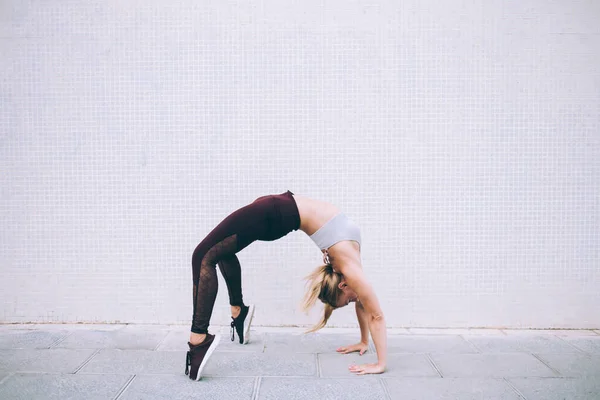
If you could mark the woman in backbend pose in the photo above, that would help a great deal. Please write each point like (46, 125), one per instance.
(337, 283)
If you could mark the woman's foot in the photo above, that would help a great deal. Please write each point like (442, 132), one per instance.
(241, 324)
(197, 338)
(199, 354)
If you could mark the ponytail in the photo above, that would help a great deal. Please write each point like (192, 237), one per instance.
(322, 284)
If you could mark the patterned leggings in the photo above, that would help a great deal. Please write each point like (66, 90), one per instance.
(267, 218)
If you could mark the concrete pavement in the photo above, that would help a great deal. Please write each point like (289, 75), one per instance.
(148, 361)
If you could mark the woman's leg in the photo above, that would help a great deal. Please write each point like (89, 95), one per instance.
(206, 283)
(232, 273)
(260, 220)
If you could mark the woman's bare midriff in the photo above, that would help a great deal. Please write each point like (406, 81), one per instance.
(314, 213)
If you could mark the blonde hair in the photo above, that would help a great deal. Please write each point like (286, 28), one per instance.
(322, 284)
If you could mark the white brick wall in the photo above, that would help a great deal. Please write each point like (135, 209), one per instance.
(462, 136)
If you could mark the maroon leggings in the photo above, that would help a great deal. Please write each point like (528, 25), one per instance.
(267, 218)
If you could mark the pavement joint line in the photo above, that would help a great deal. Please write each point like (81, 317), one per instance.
(60, 340)
(65, 373)
(371, 347)
(6, 377)
(473, 346)
(161, 341)
(318, 361)
(86, 361)
(556, 372)
(230, 351)
(514, 388)
(256, 388)
(267, 376)
(433, 365)
(571, 344)
(386, 391)
(125, 387)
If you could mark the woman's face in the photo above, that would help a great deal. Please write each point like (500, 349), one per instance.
(346, 296)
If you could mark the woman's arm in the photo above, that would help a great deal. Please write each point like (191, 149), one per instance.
(363, 322)
(357, 280)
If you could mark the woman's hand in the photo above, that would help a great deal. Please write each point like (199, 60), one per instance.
(367, 369)
(360, 347)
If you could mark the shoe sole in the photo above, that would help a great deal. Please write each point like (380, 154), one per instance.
(247, 323)
(211, 349)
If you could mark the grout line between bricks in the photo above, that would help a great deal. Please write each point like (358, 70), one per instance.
(557, 372)
(86, 361)
(386, 391)
(256, 388)
(433, 365)
(513, 387)
(124, 388)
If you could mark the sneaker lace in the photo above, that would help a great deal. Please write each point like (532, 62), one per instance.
(232, 329)
(188, 362)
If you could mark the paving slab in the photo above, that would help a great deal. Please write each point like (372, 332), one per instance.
(62, 387)
(292, 330)
(366, 388)
(429, 344)
(30, 339)
(18, 327)
(130, 338)
(129, 362)
(449, 389)
(395, 331)
(557, 388)
(336, 365)
(181, 387)
(521, 344)
(553, 332)
(307, 343)
(588, 344)
(79, 327)
(256, 343)
(177, 340)
(455, 331)
(228, 364)
(490, 365)
(295, 365)
(574, 365)
(43, 360)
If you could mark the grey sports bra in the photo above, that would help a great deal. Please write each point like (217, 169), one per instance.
(335, 230)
